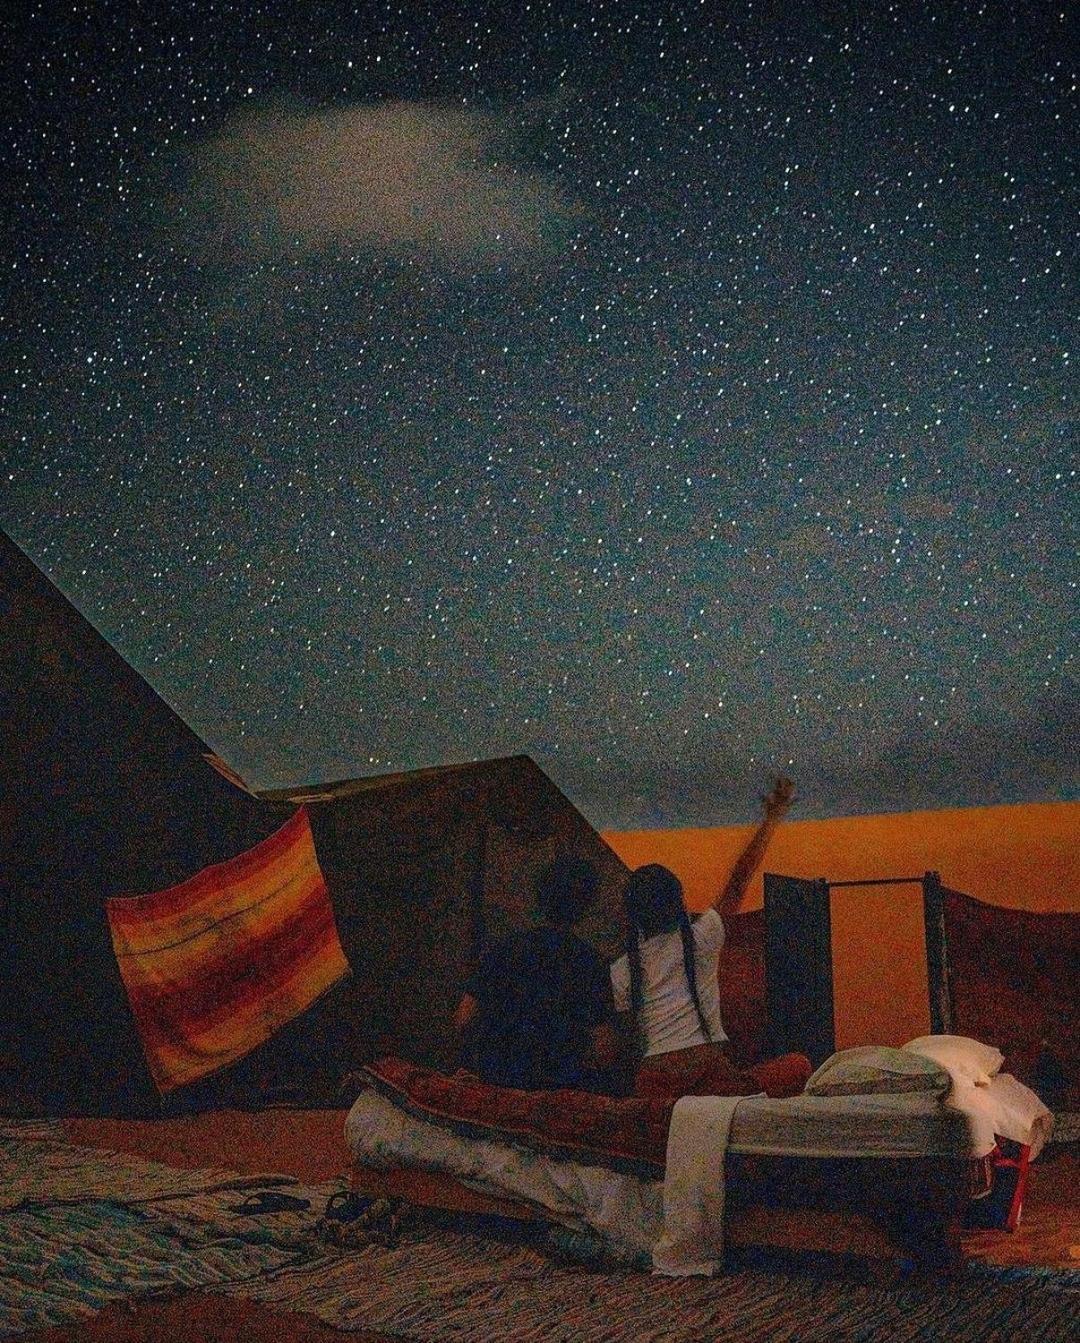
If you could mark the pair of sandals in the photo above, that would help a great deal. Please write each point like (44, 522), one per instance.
(264, 1201)
(354, 1220)
(350, 1220)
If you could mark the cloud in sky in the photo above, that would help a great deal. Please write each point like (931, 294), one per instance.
(393, 177)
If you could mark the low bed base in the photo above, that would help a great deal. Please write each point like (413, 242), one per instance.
(867, 1214)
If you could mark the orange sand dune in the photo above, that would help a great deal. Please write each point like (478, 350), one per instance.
(1023, 856)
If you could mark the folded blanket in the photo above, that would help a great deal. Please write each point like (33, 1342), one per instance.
(693, 1239)
(1005, 1108)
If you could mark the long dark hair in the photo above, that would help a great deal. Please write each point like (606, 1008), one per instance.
(653, 900)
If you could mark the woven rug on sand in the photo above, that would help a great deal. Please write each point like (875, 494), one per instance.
(84, 1227)
(39, 1172)
(91, 1227)
(453, 1288)
(32, 1130)
(62, 1263)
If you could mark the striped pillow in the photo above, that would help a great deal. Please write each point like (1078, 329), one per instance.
(869, 1070)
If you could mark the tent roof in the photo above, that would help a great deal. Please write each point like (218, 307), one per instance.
(106, 791)
(22, 579)
(341, 788)
(27, 591)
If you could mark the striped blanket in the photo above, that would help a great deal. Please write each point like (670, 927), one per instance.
(214, 966)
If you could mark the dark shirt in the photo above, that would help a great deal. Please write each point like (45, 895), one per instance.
(540, 993)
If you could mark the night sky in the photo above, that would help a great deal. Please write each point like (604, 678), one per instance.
(675, 393)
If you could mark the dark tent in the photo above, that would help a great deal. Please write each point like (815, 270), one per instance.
(106, 791)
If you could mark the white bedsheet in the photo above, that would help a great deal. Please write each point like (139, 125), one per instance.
(1004, 1107)
(626, 1210)
(692, 1243)
(912, 1124)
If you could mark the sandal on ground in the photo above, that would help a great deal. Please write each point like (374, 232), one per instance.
(266, 1200)
(346, 1206)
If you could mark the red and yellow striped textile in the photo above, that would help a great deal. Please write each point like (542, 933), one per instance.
(214, 966)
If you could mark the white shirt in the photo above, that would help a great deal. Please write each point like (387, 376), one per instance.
(668, 1019)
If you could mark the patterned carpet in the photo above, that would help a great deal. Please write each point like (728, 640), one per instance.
(63, 1263)
(37, 1167)
(457, 1289)
(138, 1228)
(80, 1227)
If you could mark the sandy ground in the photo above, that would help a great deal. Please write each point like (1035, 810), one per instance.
(196, 1317)
(310, 1145)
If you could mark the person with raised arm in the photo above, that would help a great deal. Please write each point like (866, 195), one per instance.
(667, 979)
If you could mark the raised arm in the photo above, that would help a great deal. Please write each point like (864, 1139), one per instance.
(776, 803)
(465, 1013)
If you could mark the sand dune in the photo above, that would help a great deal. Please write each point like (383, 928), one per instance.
(1023, 856)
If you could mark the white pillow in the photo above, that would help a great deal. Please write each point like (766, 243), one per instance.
(869, 1070)
(963, 1059)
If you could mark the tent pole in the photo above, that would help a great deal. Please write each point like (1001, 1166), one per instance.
(477, 883)
(937, 960)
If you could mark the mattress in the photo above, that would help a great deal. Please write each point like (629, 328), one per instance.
(908, 1125)
(625, 1209)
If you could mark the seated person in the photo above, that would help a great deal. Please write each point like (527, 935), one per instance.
(537, 1012)
(668, 980)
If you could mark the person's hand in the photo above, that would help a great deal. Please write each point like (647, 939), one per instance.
(779, 797)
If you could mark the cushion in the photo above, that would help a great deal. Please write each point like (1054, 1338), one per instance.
(875, 1069)
(627, 1135)
(963, 1059)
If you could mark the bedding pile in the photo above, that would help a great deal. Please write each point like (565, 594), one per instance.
(624, 1210)
(870, 1102)
(994, 1103)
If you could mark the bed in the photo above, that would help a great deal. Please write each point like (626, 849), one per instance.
(876, 1176)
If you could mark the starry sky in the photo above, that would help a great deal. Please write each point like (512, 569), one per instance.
(673, 392)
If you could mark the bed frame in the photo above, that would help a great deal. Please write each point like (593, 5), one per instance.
(864, 1216)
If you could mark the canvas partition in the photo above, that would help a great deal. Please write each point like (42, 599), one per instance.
(742, 986)
(798, 967)
(1008, 976)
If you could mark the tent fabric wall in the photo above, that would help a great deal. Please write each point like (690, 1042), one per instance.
(106, 792)
(423, 870)
(1009, 976)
